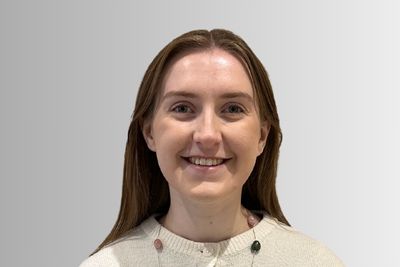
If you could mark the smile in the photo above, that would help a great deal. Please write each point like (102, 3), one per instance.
(205, 161)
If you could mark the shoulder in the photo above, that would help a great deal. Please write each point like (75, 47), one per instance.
(298, 249)
(133, 248)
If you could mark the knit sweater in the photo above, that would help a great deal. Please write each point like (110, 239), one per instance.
(280, 246)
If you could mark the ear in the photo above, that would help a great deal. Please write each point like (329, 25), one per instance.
(265, 127)
(148, 135)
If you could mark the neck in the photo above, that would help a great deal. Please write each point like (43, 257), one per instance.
(206, 221)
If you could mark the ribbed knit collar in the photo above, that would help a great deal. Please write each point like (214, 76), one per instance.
(227, 247)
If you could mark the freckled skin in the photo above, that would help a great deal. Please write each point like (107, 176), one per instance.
(206, 124)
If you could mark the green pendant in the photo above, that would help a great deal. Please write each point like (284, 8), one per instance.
(255, 247)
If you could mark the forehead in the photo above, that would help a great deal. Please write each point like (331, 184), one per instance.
(209, 71)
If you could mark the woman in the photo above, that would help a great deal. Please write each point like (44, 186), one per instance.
(201, 164)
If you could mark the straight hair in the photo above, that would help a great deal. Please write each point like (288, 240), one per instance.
(145, 190)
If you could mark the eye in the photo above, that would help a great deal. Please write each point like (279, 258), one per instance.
(233, 108)
(182, 108)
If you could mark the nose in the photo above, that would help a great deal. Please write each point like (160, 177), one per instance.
(207, 133)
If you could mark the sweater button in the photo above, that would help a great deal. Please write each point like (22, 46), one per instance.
(207, 251)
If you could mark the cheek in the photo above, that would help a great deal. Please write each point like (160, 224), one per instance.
(245, 138)
(170, 141)
(165, 133)
(244, 143)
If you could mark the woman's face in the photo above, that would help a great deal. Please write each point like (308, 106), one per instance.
(206, 130)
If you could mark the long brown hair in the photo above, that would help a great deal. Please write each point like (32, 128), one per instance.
(145, 190)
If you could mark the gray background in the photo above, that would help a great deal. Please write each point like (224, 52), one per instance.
(69, 75)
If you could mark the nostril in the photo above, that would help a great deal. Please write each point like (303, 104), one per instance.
(207, 138)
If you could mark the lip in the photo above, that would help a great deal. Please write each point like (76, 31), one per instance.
(205, 169)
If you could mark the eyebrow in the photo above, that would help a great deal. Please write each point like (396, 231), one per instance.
(193, 95)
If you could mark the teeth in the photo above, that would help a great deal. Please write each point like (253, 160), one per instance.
(205, 161)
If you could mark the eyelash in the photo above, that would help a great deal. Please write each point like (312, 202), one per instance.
(174, 108)
(241, 110)
(225, 110)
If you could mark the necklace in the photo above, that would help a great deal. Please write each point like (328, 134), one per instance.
(255, 247)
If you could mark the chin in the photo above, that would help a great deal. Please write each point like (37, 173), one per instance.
(210, 193)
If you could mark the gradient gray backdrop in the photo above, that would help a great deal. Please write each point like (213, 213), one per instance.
(69, 76)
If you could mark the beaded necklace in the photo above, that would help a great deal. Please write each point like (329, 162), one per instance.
(254, 248)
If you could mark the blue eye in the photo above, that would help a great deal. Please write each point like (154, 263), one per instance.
(182, 109)
(234, 109)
